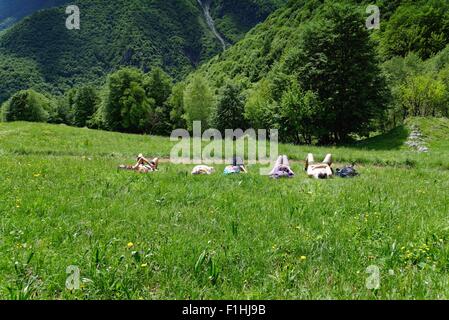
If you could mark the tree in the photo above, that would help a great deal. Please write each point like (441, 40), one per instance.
(28, 105)
(421, 27)
(424, 96)
(126, 105)
(176, 105)
(337, 60)
(300, 115)
(397, 70)
(84, 105)
(158, 86)
(444, 77)
(260, 107)
(230, 108)
(198, 102)
(263, 103)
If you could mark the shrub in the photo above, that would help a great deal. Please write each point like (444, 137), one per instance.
(28, 105)
(126, 106)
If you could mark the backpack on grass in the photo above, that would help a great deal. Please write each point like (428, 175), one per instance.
(347, 172)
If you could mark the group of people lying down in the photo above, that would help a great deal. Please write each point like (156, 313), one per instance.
(321, 170)
(281, 169)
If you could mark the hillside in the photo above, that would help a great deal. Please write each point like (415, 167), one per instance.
(434, 131)
(12, 11)
(236, 17)
(294, 71)
(390, 149)
(136, 33)
(267, 48)
(172, 34)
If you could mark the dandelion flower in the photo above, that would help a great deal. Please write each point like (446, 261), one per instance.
(130, 245)
(303, 258)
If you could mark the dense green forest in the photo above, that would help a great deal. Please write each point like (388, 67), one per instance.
(171, 34)
(313, 65)
(312, 69)
(13, 10)
(113, 34)
(236, 17)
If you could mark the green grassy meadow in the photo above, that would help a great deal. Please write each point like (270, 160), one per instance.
(170, 235)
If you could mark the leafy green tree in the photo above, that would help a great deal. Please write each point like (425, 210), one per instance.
(158, 86)
(443, 76)
(424, 96)
(62, 111)
(198, 102)
(127, 107)
(422, 27)
(397, 70)
(18, 74)
(176, 104)
(84, 105)
(260, 106)
(300, 115)
(263, 103)
(337, 60)
(28, 105)
(230, 108)
(388, 7)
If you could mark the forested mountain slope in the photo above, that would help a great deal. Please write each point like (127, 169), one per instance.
(172, 34)
(13, 10)
(315, 52)
(236, 17)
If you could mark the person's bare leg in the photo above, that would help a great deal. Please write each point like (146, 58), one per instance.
(276, 165)
(285, 161)
(155, 162)
(328, 160)
(309, 160)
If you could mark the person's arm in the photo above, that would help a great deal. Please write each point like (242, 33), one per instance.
(144, 161)
(243, 169)
(139, 162)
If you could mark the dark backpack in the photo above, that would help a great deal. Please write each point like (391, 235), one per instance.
(347, 172)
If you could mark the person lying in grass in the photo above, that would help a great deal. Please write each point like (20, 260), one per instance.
(282, 168)
(202, 169)
(143, 165)
(236, 167)
(319, 170)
